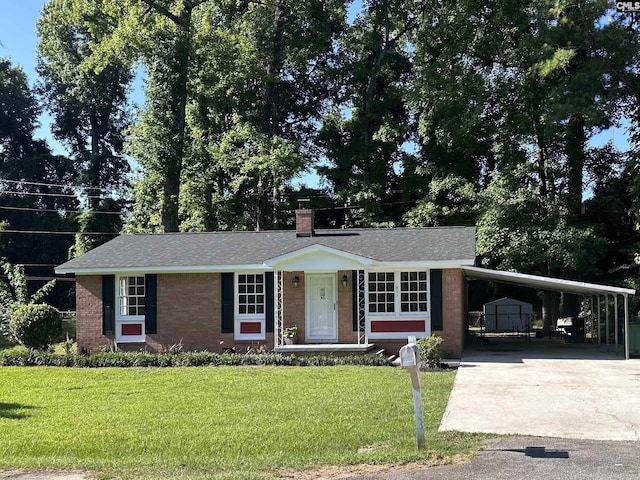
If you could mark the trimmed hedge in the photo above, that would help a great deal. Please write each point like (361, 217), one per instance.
(23, 357)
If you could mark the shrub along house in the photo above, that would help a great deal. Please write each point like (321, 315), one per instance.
(351, 290)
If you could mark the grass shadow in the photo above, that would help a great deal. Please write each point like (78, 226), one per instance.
(13, 411)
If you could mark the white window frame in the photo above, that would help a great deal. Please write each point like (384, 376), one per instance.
(397, 314)
(124, 319)
(399, 292)
(249, 317)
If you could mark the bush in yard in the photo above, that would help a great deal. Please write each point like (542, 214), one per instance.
(35, 326)
(14, 293)
(23, 357)
(429, 348)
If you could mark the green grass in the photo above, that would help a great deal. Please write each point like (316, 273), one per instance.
(217, 423)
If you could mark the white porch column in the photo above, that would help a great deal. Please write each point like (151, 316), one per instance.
(276, 313)
(626, 326)
(278, 289)
(362, 308)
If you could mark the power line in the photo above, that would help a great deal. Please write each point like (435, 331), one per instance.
(59, 185)
(38, 264)
(37, 194)
(41, 279)
(49, 232)
(51, 210)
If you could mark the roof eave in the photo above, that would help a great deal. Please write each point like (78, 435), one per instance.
(161, 269)
(544, 283)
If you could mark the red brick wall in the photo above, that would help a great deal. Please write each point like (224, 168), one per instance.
(295, 308)
(453, 311)
(294, 302)
(345, 309)
(188, 312)
(89, 314)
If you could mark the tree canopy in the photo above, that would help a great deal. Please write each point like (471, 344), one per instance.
(413, 114)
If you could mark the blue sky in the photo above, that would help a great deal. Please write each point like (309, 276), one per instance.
(18, 40)
(18, 33)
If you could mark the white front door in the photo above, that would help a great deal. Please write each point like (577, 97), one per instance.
(321, 324)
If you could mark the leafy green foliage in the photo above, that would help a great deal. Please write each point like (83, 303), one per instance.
(14, 293)
(89, 112)
(365, 134)
(429, 348)
(450, 201)
(24, 358)
(520, 230)
(35, 326)
(38, 206)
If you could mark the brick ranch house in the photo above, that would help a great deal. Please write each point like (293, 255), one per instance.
(351, 290)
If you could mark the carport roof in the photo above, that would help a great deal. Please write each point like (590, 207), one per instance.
(543, 283)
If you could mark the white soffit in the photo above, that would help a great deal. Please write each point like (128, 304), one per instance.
(543, 283)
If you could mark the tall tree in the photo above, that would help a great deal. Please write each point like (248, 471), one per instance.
(35, 186)
(261, 87)
(89, 111)
(159, 34)
(364, 137)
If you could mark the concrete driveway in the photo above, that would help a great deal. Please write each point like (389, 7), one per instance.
(547, 390)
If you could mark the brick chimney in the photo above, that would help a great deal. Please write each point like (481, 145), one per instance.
(304, 222)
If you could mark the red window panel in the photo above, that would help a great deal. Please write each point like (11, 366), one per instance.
(397, 326)
(132, 329)
(250, 327)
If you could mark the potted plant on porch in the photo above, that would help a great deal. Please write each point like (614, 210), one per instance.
(290, 335)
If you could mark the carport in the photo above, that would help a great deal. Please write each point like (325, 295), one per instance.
(599, 294)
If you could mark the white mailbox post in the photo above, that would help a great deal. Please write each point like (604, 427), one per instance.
(410, 359)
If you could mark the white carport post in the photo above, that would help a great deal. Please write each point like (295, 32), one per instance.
(593, 316)
(626, 326)
(592, 309)
(599, 310)
(615, 316)
(606, 305)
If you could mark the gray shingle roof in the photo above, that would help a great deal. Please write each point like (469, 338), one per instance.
(217, 249)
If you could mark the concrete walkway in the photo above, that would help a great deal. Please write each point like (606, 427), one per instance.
(562, 390)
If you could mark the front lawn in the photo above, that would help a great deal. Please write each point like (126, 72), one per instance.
(217, 423)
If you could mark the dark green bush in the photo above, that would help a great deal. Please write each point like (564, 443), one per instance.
(21, 356)
(35, 326)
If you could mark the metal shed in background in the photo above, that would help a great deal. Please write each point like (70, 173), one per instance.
(600, 295)
(507, 314)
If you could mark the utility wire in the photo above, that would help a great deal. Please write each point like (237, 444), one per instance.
(43, 184)
(51, 210)
(36, 194)
(38, 264)
(59, 279)
(49, 232)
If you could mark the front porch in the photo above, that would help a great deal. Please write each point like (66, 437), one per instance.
(322, 300)
(324, 308)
